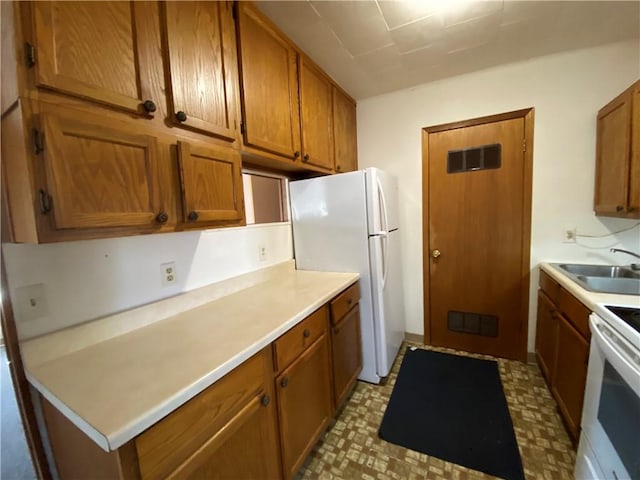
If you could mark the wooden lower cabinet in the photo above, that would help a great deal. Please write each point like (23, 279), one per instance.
(347, 355)
(562, 349)
(304, 404)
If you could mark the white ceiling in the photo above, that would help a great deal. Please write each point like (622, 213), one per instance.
(373, 47)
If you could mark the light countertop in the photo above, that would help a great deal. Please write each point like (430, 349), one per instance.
(117, 387)
(588, 298)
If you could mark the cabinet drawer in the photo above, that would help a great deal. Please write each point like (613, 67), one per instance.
(343, 302)
(550, 287)
(576, 312)
(290, 345)
(168, 443)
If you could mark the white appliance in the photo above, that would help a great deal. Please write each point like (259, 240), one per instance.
(349, 223)
(610, 440)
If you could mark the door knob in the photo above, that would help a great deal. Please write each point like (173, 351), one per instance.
(435, 253)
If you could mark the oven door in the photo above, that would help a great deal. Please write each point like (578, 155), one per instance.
(611, 414)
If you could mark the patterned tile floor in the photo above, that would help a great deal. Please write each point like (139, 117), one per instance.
(351, 449)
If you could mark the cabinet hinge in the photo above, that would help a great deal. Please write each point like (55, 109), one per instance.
(29, 55)
(38, 141)
(45, 202)
(524, 144)
(242, 127)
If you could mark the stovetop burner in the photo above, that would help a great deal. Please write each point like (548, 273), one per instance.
(631, 316)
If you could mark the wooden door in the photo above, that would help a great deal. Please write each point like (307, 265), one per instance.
(200, 54)
(346, 353)
(271, 118)
(304, 404)
(570, 374)
(344, 133)
(211, 183)
(98, 176)
(546, 335)
(92, 50)
(477, 253)
(245, 448)
(613, 142)
(316, 117)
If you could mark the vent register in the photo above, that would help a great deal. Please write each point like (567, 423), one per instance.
(485, 157)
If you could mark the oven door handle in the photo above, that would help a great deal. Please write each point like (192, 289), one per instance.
(614, 354)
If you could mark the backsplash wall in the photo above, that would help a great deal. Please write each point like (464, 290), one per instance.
(89, 279)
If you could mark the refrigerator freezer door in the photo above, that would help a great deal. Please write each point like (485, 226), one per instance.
(388, 304)
(382, 201)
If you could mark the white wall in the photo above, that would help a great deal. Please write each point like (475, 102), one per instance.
(89, 279)
(566, 91)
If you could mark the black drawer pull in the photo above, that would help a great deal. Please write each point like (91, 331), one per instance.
(284, 382)
(265, 400)
(306, 333)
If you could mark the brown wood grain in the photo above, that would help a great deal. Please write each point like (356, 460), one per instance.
(633, 204)
(304, 404)
(291, 345)
(269, 85)
(346, 351)
(8, 73)
(550, 287)
(613, 147)
(344, 132)
(344, 302)
(570, 374)
(316, 116)
(89, 49)
(546, 335)
(211, 182)
(476, 219)
(200, 42)
(575, 312)
(170, 442)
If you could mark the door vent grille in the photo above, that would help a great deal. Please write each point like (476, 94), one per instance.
(474, 323)
(472, 159)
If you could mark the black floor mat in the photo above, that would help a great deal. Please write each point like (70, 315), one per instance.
(453, 408)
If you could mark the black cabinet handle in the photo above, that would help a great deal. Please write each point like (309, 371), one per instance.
(619, 208)
(284, 382)
(338, 168)
(193, 216)
(296, 154)
(265, 400)
(305, 158)
(306, 333)
(181, 116)
(149, 106)
(350, 301)
(162, 217)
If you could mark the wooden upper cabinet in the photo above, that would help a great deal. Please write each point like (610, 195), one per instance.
(201, 60)
(91, 50)
(316, 116)
(269, 86)
(344, 133)
(211, 182)
(98, 176)
(617, 184)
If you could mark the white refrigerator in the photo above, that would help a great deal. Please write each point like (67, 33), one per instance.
(349, 223)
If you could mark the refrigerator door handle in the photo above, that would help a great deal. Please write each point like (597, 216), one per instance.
(383, 204)
(385, 259)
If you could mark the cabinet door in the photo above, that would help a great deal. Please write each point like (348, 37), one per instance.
(347, 354)
(316, 117)
(200, 53)
(98, 176)
(211, 183)
(612, 157)
(344, 133)
(271, 119)
(570, 374)
(546, 335)
(634, 168)
(304, 404)
(91, 50)
(245, 448)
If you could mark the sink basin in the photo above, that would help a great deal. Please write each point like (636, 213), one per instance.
(603, 278)
(606, 271)
(625, 286)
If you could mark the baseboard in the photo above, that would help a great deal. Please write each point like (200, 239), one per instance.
(414, 338)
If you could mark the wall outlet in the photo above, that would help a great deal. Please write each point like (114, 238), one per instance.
(569, 235)
(31, 302)
(168, 274)
(262, 253)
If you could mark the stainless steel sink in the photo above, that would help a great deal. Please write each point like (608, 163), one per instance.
(607, 271)
(603, 278)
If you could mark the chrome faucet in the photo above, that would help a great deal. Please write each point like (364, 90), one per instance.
(634, 266)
